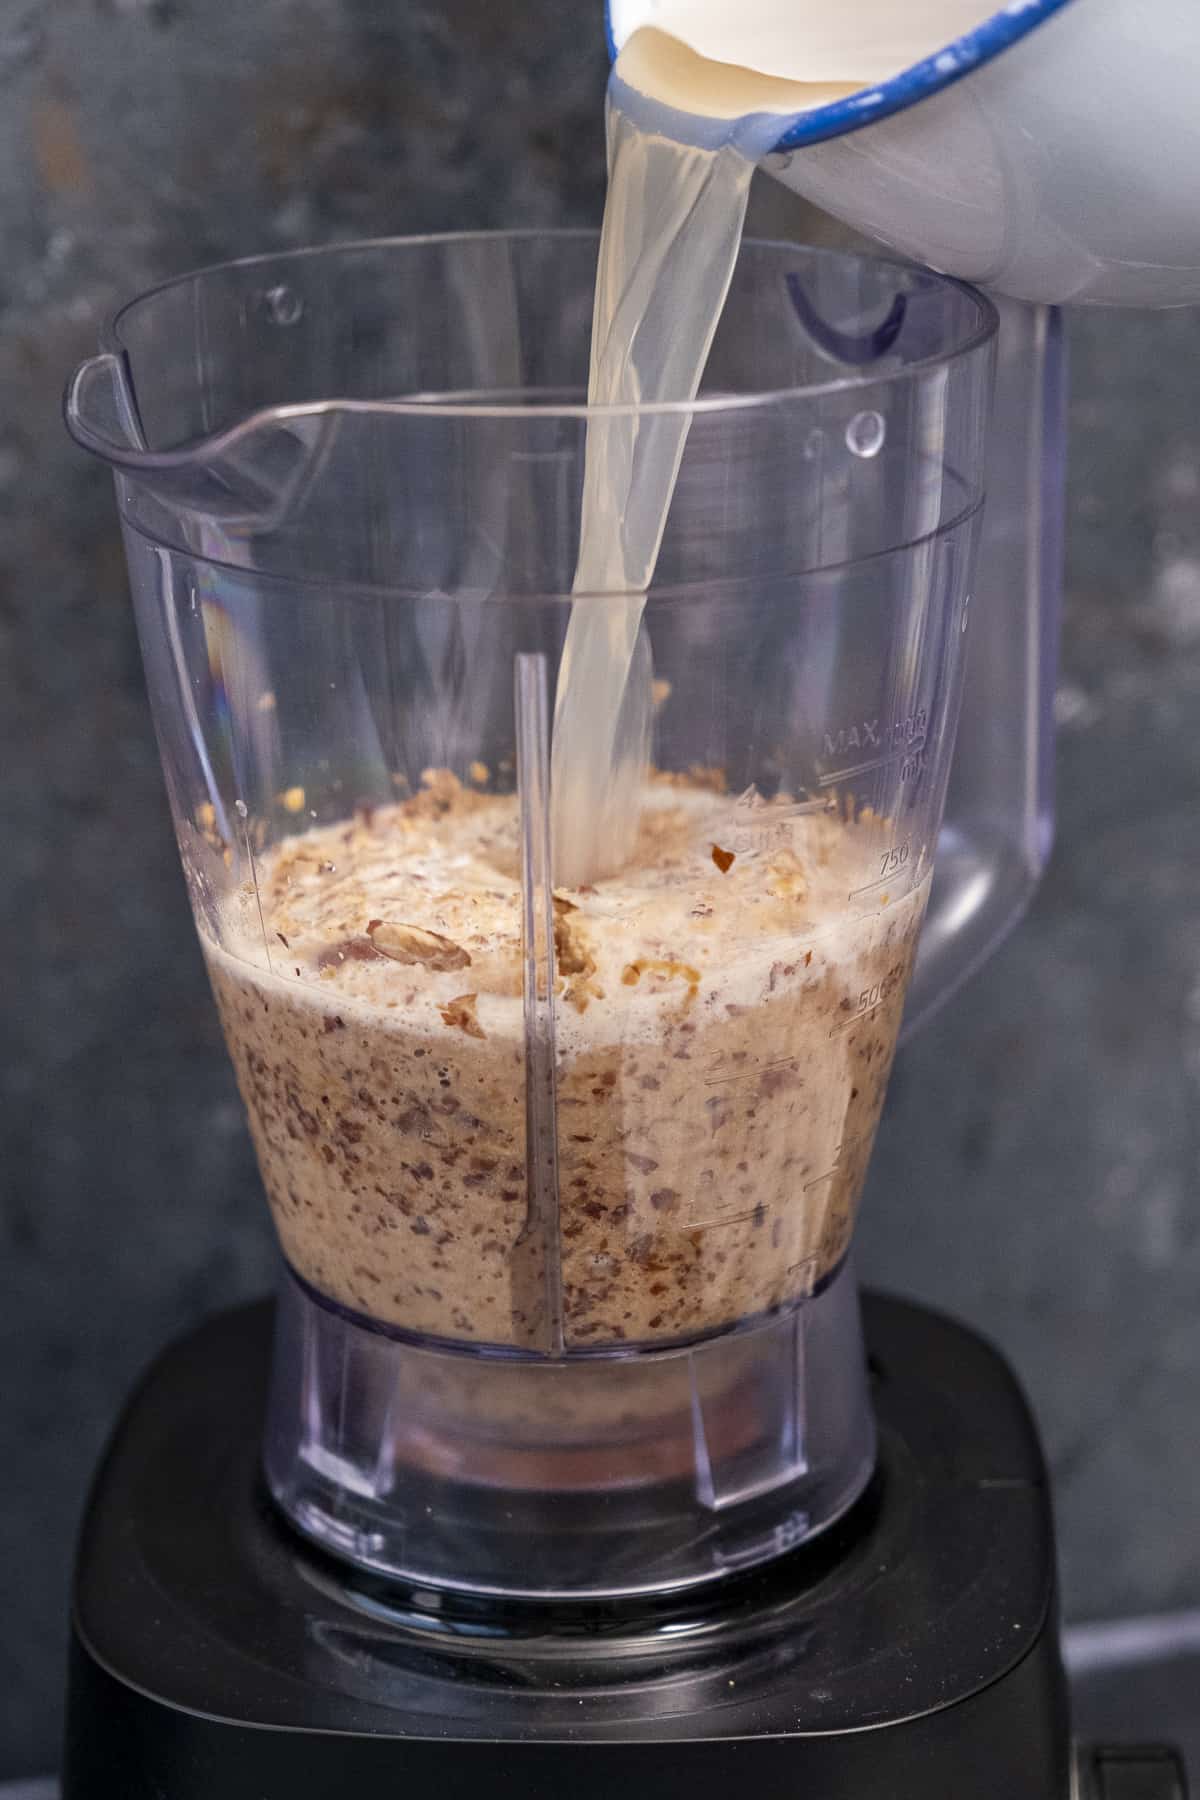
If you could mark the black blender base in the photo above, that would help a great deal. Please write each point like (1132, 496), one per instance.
(909, 1654)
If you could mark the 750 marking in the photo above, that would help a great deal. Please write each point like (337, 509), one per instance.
(894, 859)
(891, 863)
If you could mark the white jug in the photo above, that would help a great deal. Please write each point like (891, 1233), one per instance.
(1052, 152)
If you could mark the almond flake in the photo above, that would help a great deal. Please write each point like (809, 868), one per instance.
(460, 1014)
(412, 944)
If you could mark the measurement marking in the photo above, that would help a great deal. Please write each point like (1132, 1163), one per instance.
(914, 750)
(869, 887)
(871, 999)
(863, 768)
(752, 802)
(818, 1179)
(738, 1218)
(849, 1024)
(749, 1070)
(846, 1144)
(802, 809)
(760, 825)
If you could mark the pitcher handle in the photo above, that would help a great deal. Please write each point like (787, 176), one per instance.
(999, 820)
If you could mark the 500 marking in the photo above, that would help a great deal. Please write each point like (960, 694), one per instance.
(871, 998)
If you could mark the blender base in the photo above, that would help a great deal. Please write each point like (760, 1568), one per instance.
(911, 1651)
(511, 1483)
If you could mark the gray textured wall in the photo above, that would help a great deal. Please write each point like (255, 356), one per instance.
(1038, 1168)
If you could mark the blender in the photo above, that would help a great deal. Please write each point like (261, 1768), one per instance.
(567, 1453)
(565, 1176)
(574, 1461)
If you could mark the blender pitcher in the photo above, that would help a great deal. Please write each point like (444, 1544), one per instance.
(564, 1178)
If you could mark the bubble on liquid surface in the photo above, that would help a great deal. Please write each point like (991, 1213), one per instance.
(865, 434)
(283, 305)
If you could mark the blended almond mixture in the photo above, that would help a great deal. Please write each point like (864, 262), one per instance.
(725, 1024)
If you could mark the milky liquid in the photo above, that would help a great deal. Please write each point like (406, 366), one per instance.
(685, 131)
(715, 1107)
(672, 227)
(855, 42)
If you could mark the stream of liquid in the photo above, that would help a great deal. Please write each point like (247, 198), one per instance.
(684, 132)
(679, 179)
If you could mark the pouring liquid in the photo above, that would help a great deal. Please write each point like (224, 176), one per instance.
(684, 134)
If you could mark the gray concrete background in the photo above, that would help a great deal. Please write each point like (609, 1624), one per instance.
(1038, 1167)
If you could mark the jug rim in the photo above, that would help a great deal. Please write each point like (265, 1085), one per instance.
(112, 358)
(962, 56)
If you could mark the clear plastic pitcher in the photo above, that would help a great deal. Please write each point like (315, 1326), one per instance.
(565, 1179)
